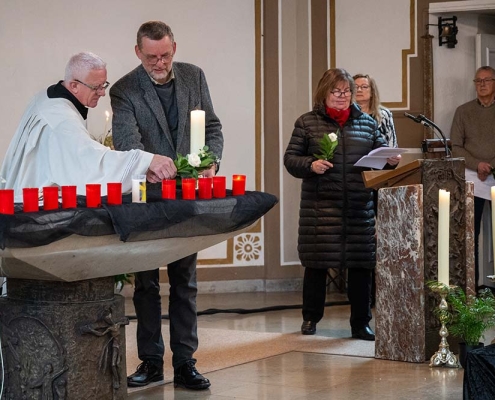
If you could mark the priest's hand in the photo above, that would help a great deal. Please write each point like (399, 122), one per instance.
(161, 168)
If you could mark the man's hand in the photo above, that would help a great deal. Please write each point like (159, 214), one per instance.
(161, 168)
(484, 169)
(208, 173)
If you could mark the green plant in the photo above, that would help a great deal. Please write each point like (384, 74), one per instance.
(190, 165)
(327, 146)
(122, 279)
(470, 316)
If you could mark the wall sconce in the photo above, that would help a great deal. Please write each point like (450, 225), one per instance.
(447, 31)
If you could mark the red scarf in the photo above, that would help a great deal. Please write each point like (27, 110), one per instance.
(341, 116)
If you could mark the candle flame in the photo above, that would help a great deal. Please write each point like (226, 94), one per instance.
(107, 113)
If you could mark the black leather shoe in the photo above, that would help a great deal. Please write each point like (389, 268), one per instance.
(308, 328)
(187, 376)
(364, 333)
(146, 373)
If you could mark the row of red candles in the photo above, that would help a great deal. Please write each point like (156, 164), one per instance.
(208, 188)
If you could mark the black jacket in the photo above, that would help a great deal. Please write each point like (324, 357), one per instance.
(336, 218)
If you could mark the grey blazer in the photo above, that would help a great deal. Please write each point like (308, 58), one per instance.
(139, 121)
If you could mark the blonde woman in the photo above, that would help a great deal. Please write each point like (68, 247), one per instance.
(368, 99)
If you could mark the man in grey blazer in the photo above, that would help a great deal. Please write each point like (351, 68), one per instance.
(151, 111)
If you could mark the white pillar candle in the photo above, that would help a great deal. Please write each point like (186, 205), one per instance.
(493, 223)
(443, 236)
(106, 124)
(197, 131)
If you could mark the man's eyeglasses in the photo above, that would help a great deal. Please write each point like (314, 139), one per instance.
(362, 87)
(95, 88)
(338, 93)
(483, 81)
(153, 60)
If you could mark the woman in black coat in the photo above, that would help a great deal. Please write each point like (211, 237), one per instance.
(336, 218)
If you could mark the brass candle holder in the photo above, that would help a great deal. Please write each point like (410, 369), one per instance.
(443, 357)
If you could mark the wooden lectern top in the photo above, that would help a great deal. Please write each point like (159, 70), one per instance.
(408, 174)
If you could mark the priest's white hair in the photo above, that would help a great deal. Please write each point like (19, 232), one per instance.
(80, 64)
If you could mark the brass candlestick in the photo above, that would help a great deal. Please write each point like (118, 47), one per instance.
(443, 357)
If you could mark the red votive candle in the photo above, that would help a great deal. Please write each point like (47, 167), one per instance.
(50, 198)
(69, 196)
(189, 188)
(114, 193)
(169, 189)
(219, 186)
(93, 195)
(6, 201)
(30, 200)
(204, 188)
(238, 185)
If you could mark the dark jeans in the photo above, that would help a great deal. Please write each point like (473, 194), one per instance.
(182, 312)
(358, 291)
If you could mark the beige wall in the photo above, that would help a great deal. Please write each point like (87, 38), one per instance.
(262, 58)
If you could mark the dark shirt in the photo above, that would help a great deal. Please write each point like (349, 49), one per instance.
(59, 91)
(166, 94)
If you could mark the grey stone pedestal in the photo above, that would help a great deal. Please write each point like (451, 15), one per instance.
(63, 340)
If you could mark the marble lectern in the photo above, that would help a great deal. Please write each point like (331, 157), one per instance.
(62, 327)
(407, 229)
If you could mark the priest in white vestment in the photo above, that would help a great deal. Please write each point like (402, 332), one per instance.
(52, 146)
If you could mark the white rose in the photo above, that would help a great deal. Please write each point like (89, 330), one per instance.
(193, 160)
(333, 137)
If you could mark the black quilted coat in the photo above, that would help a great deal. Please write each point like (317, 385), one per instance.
(336, 217)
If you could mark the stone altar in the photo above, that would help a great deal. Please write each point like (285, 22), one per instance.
(406, 327)
(62, 326)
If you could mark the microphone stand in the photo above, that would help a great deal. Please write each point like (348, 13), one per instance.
(428, 123)
(421, 119)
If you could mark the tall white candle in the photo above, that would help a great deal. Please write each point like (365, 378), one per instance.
(107, 114)
(493, 223)
(197, 131)
(443, 236)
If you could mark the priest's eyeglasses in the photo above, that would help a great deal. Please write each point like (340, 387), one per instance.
(483, 81)
(95, 88)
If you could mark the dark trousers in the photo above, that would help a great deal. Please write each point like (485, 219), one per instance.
(358, 291)
(479, 205)
(182, 312)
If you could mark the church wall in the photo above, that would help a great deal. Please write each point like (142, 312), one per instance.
(262, 59)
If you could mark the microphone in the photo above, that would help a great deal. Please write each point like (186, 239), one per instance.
(415, 119)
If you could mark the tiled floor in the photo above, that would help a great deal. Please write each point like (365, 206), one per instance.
(300, 375)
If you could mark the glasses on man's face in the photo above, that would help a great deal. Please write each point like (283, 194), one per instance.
(362, 87)
(339, 93)
(484, 81)
(95, 88)
(153, 60)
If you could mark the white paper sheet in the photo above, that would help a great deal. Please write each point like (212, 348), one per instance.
(378, 158)
(481, 188)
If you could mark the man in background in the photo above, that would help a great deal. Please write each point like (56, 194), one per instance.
(472, 137)
(151, 111)
(52, 146)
